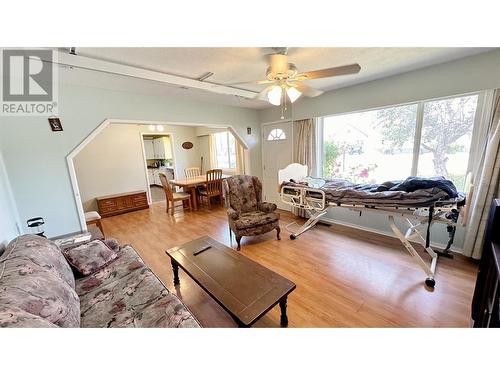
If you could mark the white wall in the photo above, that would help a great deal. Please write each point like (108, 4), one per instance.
(113, 162)
(470, 74)
(8, 212)
(35, 157)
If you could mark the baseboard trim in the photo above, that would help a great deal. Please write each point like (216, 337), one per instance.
(438, 246)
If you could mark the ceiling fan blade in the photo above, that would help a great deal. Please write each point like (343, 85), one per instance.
(307, 90)
(330, 72)
(261, 82)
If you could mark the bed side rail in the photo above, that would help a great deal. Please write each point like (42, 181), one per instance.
(304, 197)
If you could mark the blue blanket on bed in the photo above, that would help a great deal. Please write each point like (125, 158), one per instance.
(416, 183)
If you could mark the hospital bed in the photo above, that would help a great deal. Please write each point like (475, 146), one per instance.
(418, 217)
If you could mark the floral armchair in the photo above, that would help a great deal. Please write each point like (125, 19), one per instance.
(247, 214)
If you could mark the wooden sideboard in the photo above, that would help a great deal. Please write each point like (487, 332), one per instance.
(116, 204)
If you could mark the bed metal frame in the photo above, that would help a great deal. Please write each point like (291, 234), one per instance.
(314, 202)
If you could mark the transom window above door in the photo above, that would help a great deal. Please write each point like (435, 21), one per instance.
(276, 135)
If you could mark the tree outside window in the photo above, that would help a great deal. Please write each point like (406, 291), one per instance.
(378, 145)
(445, 139)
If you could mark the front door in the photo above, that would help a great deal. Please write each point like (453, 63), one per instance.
(277, 153)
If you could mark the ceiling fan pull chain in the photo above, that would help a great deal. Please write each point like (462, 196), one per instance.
(283, 107)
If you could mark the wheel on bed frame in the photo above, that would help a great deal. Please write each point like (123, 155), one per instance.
(293, 236)
(430, 282)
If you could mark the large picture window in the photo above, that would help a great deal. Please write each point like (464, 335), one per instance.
(225, 150)
(429, 138)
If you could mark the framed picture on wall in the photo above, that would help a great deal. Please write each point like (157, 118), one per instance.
(55, 124)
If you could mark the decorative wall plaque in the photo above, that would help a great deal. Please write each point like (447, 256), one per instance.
(187, 145)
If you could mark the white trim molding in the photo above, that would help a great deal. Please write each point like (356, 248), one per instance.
(101, 127)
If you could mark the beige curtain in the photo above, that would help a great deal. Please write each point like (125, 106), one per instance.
(304, 151)
(486, 185)
(240, 158)
(212, 151)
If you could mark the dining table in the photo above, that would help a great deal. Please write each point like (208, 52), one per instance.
(189, 185)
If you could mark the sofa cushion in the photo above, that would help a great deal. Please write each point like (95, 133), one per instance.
(42, 252)
(90, 257)
(255, 219)
(38, 291)
(127, 261)
(14, 317)
(137, 299)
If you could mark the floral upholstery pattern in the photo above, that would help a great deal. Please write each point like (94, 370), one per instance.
(243, 192)
(112, 244)
(266, 207)
(249, 219)
(126, 293)
(42, 252)
(90, 257)
(13, 317)
(126, 262)
(247, 214)
(35, 291)
(38, 291)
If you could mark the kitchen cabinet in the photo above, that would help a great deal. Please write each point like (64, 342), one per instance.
(158, 148)
(157, 177)
(154, 176)
(149, 149)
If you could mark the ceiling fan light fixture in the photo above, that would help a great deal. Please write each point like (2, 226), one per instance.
(274, 95)
(293, 93)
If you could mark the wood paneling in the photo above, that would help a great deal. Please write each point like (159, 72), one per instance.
(345, 277)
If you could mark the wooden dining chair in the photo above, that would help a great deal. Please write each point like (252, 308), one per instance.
(174, 197)
(213, 186)
(192, 172)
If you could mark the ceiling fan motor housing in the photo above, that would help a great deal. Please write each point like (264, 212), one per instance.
(280, 69)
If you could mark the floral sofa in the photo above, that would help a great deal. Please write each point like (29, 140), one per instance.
(247, 214)
(39, 289)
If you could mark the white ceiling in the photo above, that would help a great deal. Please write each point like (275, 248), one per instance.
(231, 65)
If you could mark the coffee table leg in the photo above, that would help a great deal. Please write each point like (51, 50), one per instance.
(175, 268)
(283, 318)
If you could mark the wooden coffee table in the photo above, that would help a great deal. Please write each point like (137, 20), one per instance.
(244, 288)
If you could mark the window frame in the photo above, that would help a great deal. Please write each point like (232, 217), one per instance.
(478, 130)
(229, 159)
(275, 139)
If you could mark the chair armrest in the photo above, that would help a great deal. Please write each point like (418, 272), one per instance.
(267, 207)
(233, 214)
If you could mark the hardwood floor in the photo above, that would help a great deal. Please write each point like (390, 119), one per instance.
(345, 277)
(157, 194)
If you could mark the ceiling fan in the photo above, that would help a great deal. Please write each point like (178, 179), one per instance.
(284, 80)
